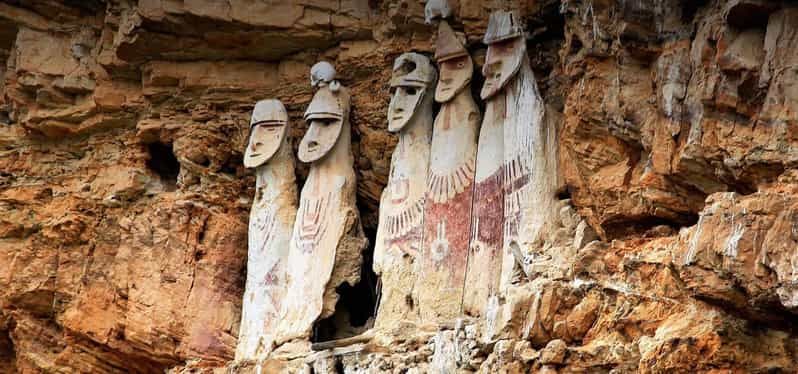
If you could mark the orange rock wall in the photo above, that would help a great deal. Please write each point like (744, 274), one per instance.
(678, 142)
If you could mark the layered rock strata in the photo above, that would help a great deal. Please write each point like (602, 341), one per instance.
(125, 203)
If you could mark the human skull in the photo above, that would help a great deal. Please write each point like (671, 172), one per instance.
(321, 74)
(436, 9)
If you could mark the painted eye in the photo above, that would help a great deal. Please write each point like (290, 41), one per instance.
(410, 90)
(461, 64)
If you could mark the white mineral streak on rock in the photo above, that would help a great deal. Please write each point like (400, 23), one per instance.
(794, 266)
(578, 283)
(532, 317)
(733, 240)
(692, 246)
(444, 359)
(491, 316)
(788, 295)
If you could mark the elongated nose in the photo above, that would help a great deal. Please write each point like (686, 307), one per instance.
(313, 134)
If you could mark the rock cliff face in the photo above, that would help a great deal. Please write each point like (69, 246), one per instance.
(124, 201)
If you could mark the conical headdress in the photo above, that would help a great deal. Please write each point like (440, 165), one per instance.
(503, 25)
(447, 46)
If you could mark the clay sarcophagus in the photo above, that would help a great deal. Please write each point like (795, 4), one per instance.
(271, 220)
(447, 213)
(399, 234)
(327, 241)
(516, 132)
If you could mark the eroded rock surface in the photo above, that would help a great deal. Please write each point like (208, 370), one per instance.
(124, 202)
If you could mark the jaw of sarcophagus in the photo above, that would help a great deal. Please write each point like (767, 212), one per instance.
(267, 132)
(506, 50)
(412, 80)
(454, 63)
(325, 117)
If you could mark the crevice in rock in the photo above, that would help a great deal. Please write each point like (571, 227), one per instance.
(89, 7)
(162, 161)
(651, 225)
(230, 167)
(757, 175)
(546, 37)
(749, 15)
(770, 313)
(357, 305)
(8, 354)
(564, 193)
(5, 118)
(477, 81)
(690, 8)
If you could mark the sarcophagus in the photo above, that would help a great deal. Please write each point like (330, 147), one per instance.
(399, 234)
(271, 221)
(327, 241)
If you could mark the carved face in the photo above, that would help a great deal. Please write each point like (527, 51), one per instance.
(501, 64)
(403, 105)
(325, 118)
(455, 75)
(323, 133)
(268, 127)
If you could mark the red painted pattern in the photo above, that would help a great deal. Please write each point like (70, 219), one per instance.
(447, 229)
(485, 259)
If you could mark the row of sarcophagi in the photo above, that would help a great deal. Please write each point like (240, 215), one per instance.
(467, 194)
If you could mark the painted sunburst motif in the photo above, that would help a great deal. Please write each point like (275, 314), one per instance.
(516, 176)
(444, 187)
(404, 221)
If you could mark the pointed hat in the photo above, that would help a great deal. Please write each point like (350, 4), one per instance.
(503, 25)
(447, 46)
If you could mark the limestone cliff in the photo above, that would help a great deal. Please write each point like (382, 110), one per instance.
(124, 201)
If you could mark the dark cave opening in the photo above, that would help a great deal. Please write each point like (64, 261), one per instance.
(750, 15)
(162, 161)
(5, 117)
(649, 225)
(357, 305)
(690, 8)
(564, 193)
(7, 351)
(232, 167)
